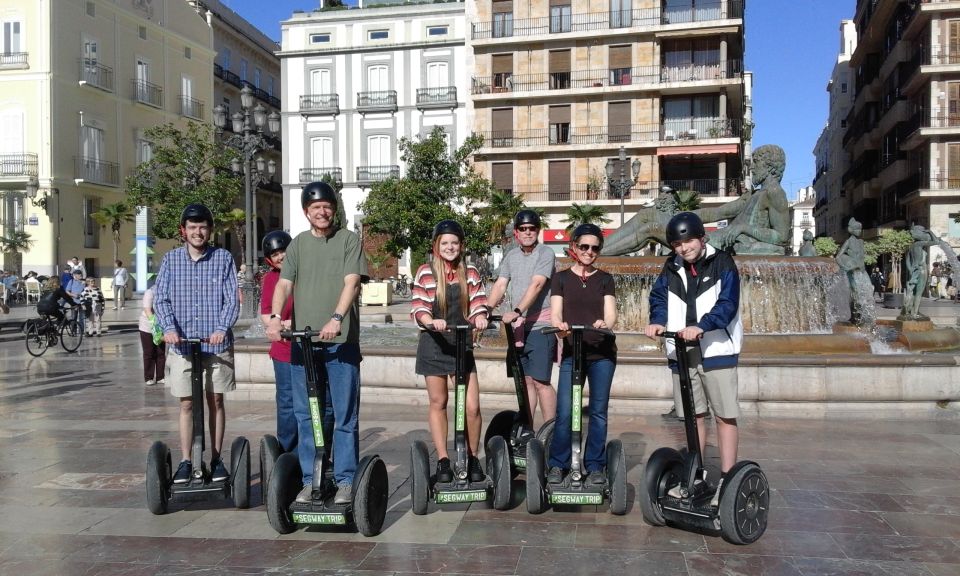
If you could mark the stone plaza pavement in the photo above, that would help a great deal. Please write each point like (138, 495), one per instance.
(848, 497)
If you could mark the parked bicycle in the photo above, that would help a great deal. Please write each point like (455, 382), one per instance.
(402, 286)
(45, 331)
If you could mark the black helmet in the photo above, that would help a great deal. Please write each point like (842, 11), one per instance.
(196, 213)
(683, 226)
(587, 230)
(526, 217)
(315, 191)
(274, 242)
(448, 227)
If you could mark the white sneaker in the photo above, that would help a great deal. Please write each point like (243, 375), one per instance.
(675, 491)
(150, 382)
(306, 494)
(161, 382)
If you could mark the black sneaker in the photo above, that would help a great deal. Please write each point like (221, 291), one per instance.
(219, 473)
(474, 470)
(184, 470)
(555, 475)
(444, 472)
(597, 478)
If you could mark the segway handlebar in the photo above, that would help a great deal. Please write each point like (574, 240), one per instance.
(195, 340)
(579, 327)
(307, 332)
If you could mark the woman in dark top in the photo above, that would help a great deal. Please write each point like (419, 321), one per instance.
(49, 303)
(583, 295)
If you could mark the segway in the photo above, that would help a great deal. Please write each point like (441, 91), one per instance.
(741, 517)
(159, 477)
(368, 507)
(496, 487)
(574, 489)
(516, 426)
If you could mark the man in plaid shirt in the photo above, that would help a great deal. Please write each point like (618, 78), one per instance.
(196, 297)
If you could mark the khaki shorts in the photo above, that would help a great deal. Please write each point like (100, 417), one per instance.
(218, 375)
(720, 385)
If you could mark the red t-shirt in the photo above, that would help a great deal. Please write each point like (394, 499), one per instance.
(279, 351)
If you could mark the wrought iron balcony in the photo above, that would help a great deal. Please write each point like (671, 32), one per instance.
(96, 171)
(231, 78)
(146, 93)
(641, 191)
(191, 107)
(217, 70)
(96, 74)
(367, 175)
(672, 129)
(14, 60)
(315, 174)
(320, 104)
(445, 97)
(18, 166)
(382, 101)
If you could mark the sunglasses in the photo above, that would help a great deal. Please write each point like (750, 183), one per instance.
(527, 229)
(595, 248)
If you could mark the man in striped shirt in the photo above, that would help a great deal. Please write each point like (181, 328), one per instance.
(196, 297)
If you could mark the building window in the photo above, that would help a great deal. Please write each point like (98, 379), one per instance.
(378, 34)
(243, 69)
(502, 24)
(226, 58)
(559, 124)
(91, 10)
(560, 18)
(186, 52)
(12, 38)
(502, 176)
(91, 230)
(142, 30)
(437, 30)
(270, 85)
(144, 151)
(319, 38)
(843, 88)
(256, 77)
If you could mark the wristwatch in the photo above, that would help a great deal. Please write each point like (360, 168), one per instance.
(338, 317)
(272, 316)
(517, 310)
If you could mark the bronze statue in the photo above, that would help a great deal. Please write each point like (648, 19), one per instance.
(850, 259)
(807, 249)
(916, 261)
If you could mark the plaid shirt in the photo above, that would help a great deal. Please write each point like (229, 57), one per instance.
(197, 298)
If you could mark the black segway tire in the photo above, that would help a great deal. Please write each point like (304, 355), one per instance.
(240, 472)
(545, 434)
(663, 470)
(419, 477)
(370, 494)
(744, 504)
(617, 477)
(269, 452)
(498, 465)
(500, 425)
(285, 483)
(536, 497)
(158, 477)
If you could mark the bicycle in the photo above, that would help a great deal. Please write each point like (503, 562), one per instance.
(44, 332)
(401, 286)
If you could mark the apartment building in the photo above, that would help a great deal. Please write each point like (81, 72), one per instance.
(559, 86)
(832, 162)
(357, 80)
(80, 82)
(801, 217)
(903, 132)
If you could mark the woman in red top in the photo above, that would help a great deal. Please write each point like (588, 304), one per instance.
(460, 299)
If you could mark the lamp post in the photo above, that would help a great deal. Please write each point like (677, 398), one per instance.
(621, 182)
(248, 140)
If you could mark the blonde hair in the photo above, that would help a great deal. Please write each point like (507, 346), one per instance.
(440, 277)
(53, 283)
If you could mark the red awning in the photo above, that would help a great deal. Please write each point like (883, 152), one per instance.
(709, 149)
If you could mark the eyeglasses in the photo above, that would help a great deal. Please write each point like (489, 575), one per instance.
(595, 248)
(527, 229)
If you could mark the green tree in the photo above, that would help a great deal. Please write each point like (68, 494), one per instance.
(578, 214)
(687, 200)
(16, 244)
(114, 215)
(895, 243)
(499, 213)
(825, 246)
(437, 185)
(235, 221)
(187, 166)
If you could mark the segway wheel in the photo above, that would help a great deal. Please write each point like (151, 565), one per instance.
(158, 478)
(545, 434)
(536, 498)
(617, 477)
(744, 505)
(37, 343)
(663, 471)
(285, 482)
(269, 452)
(498, 459)
(500, 425)
(240, 472)
(419, 477)
(370, 495)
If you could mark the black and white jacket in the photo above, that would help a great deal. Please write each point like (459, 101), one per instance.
(717, 302)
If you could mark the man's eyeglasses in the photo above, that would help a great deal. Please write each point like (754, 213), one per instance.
(595, 248)
(527, 229)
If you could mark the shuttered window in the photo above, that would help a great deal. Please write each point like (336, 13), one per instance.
(502, 174)
(620, 57)
(502, 63)
(618, 122)
(559, 180)
(953, 104)
(560, 114)
(953, 165)
(559, 124)
(954, 40)
(560, 61)
(502, 6)
(502, 121)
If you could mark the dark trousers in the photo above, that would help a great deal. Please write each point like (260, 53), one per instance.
(154, 357)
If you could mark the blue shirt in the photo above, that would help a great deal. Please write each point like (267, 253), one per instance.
(195, 298)
(75, 288)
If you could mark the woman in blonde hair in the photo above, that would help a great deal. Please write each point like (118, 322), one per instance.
(447, 292)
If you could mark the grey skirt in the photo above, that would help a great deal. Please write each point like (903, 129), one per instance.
(436, 355)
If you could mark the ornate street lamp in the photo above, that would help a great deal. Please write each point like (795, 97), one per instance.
(620, 182)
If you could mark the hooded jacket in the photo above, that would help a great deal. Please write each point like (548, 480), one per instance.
(717, 303)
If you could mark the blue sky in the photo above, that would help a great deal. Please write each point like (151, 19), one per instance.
(792, 46)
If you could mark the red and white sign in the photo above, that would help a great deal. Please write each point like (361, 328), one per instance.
(560, 235)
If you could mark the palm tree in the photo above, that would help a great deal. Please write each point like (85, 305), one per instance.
(500, 211)
(114, 215)
(236, 221)
(687, 200)
(578, 214)
(17, 243)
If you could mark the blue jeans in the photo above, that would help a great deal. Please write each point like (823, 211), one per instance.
(341, 417)
(283, 372)
(600, 376)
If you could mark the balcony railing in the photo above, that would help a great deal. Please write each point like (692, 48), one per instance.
(191, 107)
(948, 121)
(381, 101)
(231, 78)
(685, 129)
(607, 20)
(146, 93)
(597, 78)
(942, 55)
(96, 74)
(320, 104)
(445, 97)
(14, 60)
(367, 175)
(23, 164)
(316, 174)
(97, 171)
(217, 70)
(643, 190)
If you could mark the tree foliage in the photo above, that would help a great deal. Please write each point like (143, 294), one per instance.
(438, 185)
(578, 214)
(687, 200)
(114, 215)
(895, 243)
(825, 246)
(187, 166)
(499, 213)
